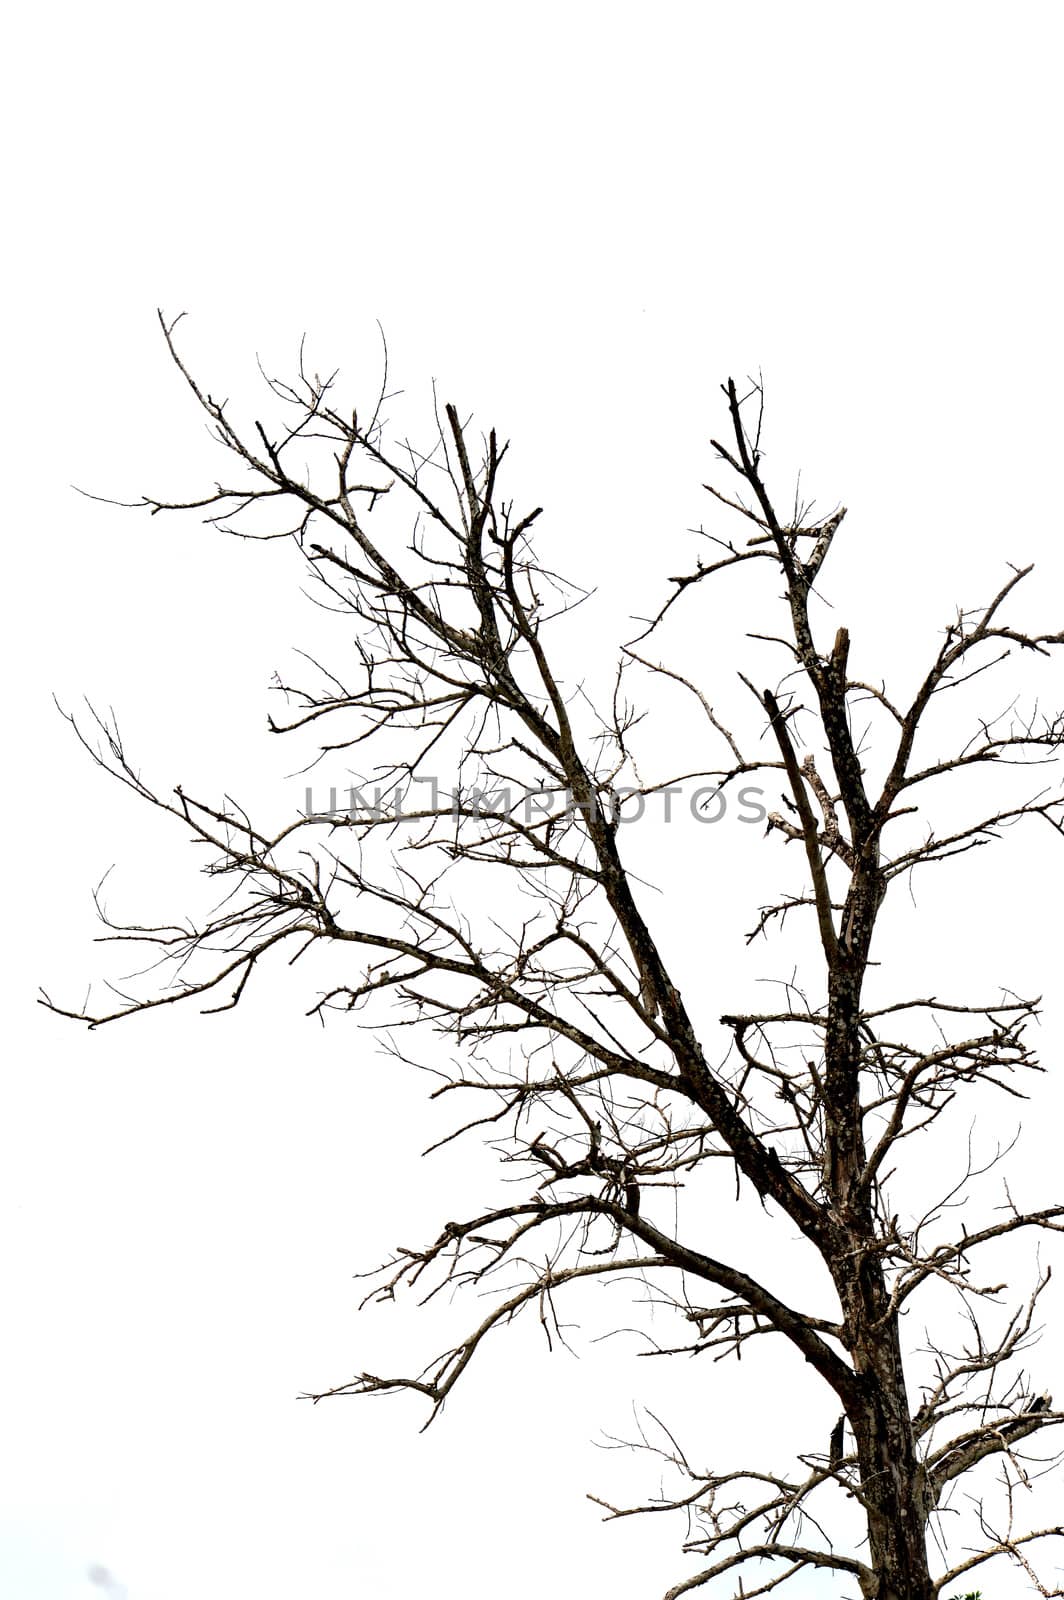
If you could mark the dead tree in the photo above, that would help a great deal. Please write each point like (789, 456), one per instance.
(576, 1047)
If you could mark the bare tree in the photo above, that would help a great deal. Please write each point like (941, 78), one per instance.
(574, 1045)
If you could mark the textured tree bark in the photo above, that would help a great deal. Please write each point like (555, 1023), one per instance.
(891, 1478)
(890, 1474)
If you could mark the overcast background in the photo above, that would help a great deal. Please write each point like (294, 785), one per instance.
(578, 220)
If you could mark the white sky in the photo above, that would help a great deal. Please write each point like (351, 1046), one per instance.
(579, 222)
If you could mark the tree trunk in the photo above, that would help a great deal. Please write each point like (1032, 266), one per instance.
(891, 1479)
(890, 1475)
